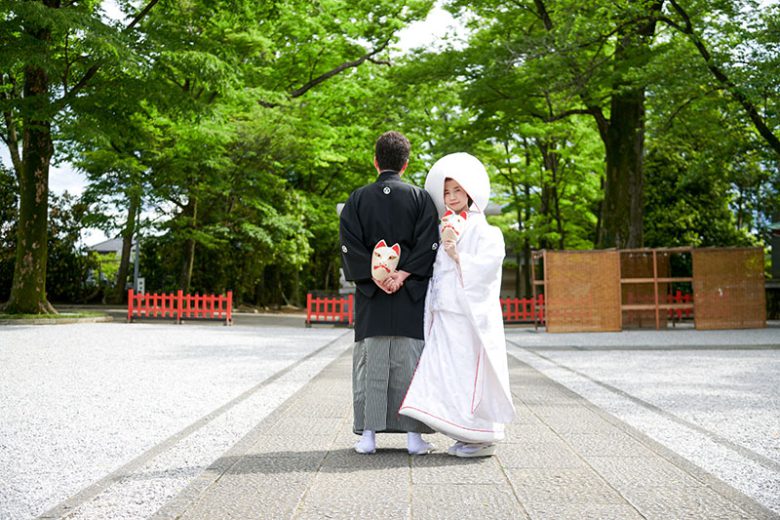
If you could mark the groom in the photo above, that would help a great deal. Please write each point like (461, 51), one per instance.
(389, 315)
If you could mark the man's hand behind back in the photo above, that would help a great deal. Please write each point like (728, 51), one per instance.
(393, 282)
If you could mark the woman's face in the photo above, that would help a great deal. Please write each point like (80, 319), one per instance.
(455, 197)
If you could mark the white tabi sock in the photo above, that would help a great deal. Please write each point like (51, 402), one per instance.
(416, 445)
(367, 442)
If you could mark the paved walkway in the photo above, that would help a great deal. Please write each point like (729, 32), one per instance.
(603, 431)
(564, 458)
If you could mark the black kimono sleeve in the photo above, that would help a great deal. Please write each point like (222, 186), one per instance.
(355, 256)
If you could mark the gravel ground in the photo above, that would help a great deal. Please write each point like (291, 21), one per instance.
(716, 406)
(78, 401)
(684, 337)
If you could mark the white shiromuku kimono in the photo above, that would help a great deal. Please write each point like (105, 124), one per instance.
(461, 385)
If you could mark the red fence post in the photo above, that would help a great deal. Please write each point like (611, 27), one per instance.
(230, 308)
(129, 306)
(143, 305)
(351, 304)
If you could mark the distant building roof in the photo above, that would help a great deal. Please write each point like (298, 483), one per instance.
(113, 245)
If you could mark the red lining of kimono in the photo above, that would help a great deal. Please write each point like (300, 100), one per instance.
(476, 377)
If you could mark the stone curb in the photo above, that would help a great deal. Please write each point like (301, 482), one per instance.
(57, 321)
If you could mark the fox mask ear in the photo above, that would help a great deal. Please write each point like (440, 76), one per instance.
(381, 243)
(464, 215)
(396, 248)
(447, 213)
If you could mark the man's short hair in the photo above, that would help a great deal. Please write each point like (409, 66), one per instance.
(392, 151)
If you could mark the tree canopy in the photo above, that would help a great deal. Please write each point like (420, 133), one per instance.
(224, 133)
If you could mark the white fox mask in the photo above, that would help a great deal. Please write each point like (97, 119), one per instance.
(452, 225)
(384, 260)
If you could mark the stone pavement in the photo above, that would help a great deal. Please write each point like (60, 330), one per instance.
(563, 458)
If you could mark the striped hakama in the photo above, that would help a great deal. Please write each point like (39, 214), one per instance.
(382, 368)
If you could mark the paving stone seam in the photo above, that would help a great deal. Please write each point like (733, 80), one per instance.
(725, 490)
(514, 489)
(297, 510)
(68, 506)
(410, 490)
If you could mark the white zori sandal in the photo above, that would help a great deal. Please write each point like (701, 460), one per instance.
(474, 450)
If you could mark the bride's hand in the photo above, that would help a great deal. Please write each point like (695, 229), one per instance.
(451, 249)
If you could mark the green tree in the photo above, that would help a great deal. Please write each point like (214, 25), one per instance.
(51, 53)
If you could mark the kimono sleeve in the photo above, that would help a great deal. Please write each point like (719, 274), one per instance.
(355, 256)
(419, 261)
(481, 278)
(481, 271)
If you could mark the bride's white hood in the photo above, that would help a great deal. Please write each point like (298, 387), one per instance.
(468, 171)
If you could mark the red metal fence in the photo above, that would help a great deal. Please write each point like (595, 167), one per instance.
(523, 310)
(334, 310)
(341, 310)
(685, 310)
(179, 306)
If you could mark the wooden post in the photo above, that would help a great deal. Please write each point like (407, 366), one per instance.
(655, 290)
(229, 321)
(129, 306)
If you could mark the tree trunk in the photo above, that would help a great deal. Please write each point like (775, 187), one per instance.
(550, 208)
(527, 281)
(622, 217)
(621, 222)
(191, 214)
(28, 292)
(128, 233)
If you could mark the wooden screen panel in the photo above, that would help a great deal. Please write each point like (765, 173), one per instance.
(583, 291)
(639, 264)
(728, 288)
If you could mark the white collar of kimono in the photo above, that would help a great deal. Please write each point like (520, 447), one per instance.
(468, 171)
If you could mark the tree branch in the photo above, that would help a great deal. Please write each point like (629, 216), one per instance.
(543, 14)
(69, 95)
(668, 124)
(721, 76)
(563, 115)
(140, 16)
(333, 72)
(598, 114)
(12, 138)
(524, 7)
